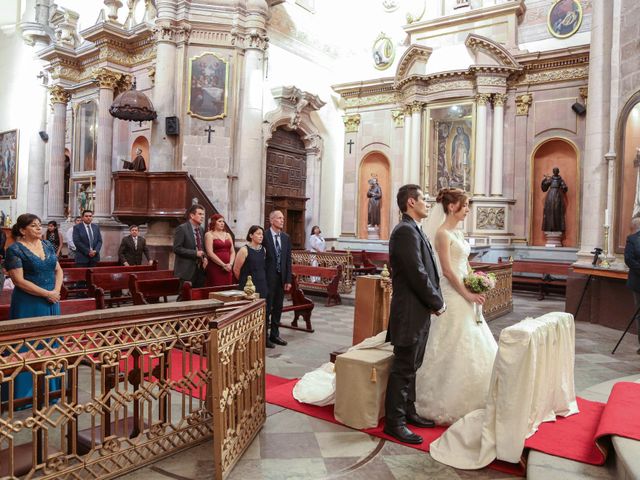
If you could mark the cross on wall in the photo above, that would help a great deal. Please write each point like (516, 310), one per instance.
(209, 131)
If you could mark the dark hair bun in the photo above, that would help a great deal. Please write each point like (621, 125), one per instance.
(15, 231)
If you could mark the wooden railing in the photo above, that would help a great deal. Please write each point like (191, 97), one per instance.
(117, 389)
(326, 259)
(499, 301)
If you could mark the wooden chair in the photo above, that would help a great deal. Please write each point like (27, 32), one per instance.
(301, 306)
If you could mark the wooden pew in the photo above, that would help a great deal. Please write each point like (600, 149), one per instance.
(149, 291)
(68, 307)
(116, 279)
(328, 281)
(301, 306)
(75, 275)
(361, 263)
(539, 275)
(189, 293)
(71, 263)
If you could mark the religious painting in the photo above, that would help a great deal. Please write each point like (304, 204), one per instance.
(383, 52)
(8, 164)
(564, 18)
(390, 5)
(451, 146)
(209, 86)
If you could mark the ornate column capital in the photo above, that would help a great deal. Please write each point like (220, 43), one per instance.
(253, 39)
(499, 99)
(398, 117)
(406, 110)
(351, 123)
(416, 107)
(106, 78)
(57, 94)
(483, 98)
(584, 93)
(523, 102)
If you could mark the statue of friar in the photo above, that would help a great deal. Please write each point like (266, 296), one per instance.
(554, 207)
(374, 194)
(138, 164)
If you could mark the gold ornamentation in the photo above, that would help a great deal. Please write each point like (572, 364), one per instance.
(523, 102)
(416, 16)
(106, 78)
(483, 98)
(563, 23)
(365, 101)
(416, 107)
(485, 81)
(445, 84)
(499, 99)
(560, 75)
(351, 123)
(327, 259)
(398, 118)
(490, 218)
(57, 94)
(584, 93)
(385, 273)
(249, 288)
(152, 74)
(383, 51)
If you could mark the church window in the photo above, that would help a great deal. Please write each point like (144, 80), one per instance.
(87, 134)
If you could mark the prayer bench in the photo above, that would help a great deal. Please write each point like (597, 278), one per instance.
(539, 275)
(145, 289)
(301, 306)
(328, 281)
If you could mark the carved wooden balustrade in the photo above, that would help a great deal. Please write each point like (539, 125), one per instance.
(326, 259)
(499, 301)
(117, 389)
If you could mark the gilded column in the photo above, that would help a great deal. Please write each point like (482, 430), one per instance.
(59, 98)
(406, 157)
(497, 144)
(162, 146)
(481, 145)
(416, 127)
(107, 81)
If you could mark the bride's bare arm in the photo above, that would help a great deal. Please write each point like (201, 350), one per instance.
(443, 246)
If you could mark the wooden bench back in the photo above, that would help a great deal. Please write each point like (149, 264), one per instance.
(118, 279)
(326, 273)
(67, 307)
(149, 291)
(543, 268)
(190, 293)
(70, 263)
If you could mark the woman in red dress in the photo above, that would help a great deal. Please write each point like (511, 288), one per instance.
(220, 251)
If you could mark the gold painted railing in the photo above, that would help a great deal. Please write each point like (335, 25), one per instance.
(499, 301)
(327, 259)
(95, 395)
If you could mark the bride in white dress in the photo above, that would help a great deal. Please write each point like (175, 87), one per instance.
(455, 375)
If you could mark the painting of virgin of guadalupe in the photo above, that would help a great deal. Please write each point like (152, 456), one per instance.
(565, 18)
(209, 86)
(8, 163)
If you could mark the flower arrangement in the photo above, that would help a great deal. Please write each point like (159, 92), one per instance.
(479, 282)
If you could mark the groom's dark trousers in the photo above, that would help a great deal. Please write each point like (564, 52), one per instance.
(416, 294)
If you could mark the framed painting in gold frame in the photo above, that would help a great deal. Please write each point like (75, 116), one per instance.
(208, 86)
(564, 18)
(450, 146)
(9, 142)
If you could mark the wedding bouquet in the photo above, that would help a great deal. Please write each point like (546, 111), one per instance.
(479, 282)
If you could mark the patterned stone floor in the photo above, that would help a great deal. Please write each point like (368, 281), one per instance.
(293, 446)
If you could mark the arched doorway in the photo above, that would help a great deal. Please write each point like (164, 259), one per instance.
(563, 154)
(374, 165)
(286, 176)
(628, 169)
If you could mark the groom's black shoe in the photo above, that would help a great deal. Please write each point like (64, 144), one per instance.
(402, 433)
(417, 421)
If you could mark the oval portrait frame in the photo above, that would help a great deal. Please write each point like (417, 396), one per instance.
(576, 24)
(381, 43)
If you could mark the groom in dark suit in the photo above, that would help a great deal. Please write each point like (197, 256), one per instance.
(416, 295)
(87, 240)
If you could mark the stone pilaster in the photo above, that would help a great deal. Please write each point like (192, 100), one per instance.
(497, 152)
(406, 153)
(59, 98)
(481, 145)
(107, 82)
(416, 130)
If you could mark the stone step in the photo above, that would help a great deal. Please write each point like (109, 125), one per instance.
(627, 453)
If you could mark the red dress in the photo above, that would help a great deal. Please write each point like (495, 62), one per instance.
(216, 275)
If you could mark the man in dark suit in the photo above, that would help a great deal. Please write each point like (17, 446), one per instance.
(632, 259)
(416, 295)
(87, 240)
(278, 266)
(188, 245)
(132, 247)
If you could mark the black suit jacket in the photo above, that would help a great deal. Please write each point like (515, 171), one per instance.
(128, 253)
(285, 256)
(632, 259)
(81, 242)
(184, 246)
(416, 285)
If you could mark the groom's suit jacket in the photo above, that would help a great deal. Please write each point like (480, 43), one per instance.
(416, 285)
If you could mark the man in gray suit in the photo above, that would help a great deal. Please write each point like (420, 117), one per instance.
(188, 246)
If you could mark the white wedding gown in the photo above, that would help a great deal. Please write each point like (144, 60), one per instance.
(455, 375)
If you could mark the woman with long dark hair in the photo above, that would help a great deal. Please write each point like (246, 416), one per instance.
(218, 246)
(53, 236)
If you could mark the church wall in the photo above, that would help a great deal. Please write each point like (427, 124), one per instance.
(533, 34)
(629, 51)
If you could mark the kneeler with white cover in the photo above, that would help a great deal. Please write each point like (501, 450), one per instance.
(532, 382)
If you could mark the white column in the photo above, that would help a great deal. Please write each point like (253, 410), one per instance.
(406, 156)
(59, 98)
(497, 144)
(416, 127)
(107, 81)
(250, 151)
(162, 156)
(481, 145)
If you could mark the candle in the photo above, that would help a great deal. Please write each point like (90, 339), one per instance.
(607, 218)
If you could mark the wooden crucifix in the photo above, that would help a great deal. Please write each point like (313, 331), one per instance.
(209, 131)
(350, 143)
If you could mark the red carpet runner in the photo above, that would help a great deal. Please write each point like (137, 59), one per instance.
(582, 437)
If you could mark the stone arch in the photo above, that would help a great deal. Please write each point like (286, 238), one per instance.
(562, 153)
(413, 61)
(376, 163)
(492, 49)
(293, 110)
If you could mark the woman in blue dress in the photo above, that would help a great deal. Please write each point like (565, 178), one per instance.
(34, 269)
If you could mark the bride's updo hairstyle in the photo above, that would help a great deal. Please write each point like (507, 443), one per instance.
(451, 196)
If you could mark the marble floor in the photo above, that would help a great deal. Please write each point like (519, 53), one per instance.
(294, 446)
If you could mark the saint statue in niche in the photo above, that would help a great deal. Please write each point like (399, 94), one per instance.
(374, 194)
(460, 148)
(138, 164)
(554, 207)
